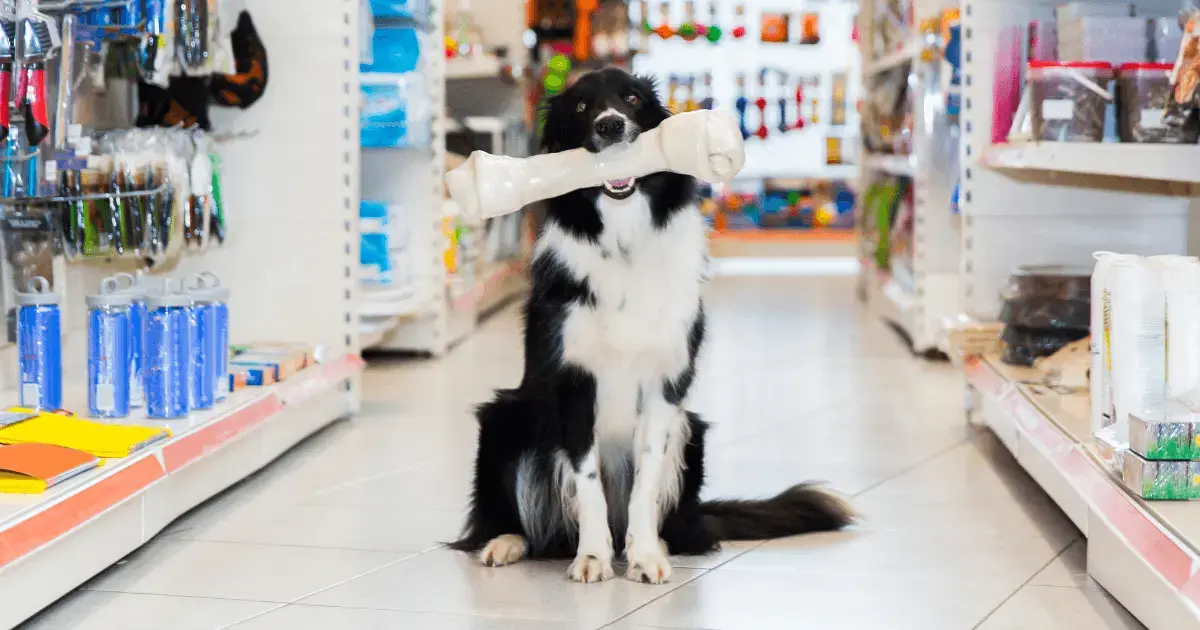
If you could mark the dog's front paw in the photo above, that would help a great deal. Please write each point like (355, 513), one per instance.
(648, 564)
(502, 550)
(588, 568)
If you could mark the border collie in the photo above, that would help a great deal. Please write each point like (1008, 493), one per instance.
(593, 453)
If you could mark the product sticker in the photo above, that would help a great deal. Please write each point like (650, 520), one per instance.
(1058, 109)
(1151, 119)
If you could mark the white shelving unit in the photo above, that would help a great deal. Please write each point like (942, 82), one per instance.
(835, 54)
(1057, 203)
(440, 310)
(920, 297)
(291, 197)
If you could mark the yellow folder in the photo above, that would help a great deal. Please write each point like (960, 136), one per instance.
(65, 429)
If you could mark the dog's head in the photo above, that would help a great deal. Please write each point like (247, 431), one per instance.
(603, 108)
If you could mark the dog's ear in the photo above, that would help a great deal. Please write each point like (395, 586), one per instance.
(554, 124)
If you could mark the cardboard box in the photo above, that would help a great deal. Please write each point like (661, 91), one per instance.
(1161, 480)
(1170, 434)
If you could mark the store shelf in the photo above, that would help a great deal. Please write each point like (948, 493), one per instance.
(902, 165)
(1144, 553)
(1157, 162)
(893, 59)
(391, 302)
(788, 235)
(53, 542)
(477, 67)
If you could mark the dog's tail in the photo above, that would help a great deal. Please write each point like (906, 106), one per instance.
(801, 509)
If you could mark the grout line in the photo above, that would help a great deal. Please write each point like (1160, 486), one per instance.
(334, 585)
(701, 573)
(912, 467)
(1027, 581)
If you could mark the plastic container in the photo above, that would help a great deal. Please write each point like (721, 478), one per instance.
(137, 337)
(1143, 92)
(209, 321)
(1070, 99)
(39, 345)
(109, 335)
(1050, 281)
(167, 347)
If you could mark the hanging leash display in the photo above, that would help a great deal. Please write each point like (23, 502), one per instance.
(742, 104)
(761, 104)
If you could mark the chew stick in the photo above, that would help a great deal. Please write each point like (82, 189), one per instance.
(704, 144)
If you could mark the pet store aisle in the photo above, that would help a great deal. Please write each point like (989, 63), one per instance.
(343, 532)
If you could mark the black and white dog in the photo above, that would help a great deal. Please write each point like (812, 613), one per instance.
(594, 452)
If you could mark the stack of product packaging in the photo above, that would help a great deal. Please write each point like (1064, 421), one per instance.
(384, 251)
(395, 96)
(1145, 383)
(1045, 308)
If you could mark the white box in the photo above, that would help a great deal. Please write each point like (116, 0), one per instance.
(1113, 39)
(1075, 10)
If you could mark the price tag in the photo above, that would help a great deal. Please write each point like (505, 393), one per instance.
(1058, 109)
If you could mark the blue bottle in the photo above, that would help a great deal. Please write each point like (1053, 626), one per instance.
(108, 351)
(39, 343)
(202, 338)
(137, 336)
(167, 346)
(210, 311)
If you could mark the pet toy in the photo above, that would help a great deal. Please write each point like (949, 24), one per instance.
(742, 104)
(800, 103)
(713, 32)
(703, 144)
(739, 19)
(761, 104)
(689, 31)
(664, 30)
(784, 125)
(707, 102)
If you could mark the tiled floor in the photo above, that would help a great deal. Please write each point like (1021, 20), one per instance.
(343, 532)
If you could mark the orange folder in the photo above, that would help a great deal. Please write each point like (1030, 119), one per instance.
(31, 468)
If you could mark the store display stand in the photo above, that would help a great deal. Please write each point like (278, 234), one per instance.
(1145, 553)
(917, 299)
(291, 194)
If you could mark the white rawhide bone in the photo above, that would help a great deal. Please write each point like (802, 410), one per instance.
(705, 144)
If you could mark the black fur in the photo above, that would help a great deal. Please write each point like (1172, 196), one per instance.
(552, 411)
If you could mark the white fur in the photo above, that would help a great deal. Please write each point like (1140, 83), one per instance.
(647, 287)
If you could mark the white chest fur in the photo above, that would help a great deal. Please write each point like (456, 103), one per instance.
(646, 281)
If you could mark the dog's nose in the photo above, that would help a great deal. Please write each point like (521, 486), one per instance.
(610, 128)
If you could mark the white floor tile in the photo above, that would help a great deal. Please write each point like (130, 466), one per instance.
(299, 617)
(92, 610)
(194, 568)
(798, 382)
(451, 582)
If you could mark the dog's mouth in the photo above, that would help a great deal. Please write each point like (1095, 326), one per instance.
(620, 188)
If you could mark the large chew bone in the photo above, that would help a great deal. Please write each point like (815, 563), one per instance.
(705, 144)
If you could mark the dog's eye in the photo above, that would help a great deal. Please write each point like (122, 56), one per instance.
(632, 99)
(580, 107)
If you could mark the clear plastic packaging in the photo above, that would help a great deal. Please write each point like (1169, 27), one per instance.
(1047, 313)
(1070, 99)
(1138, 338)
(1144, 90)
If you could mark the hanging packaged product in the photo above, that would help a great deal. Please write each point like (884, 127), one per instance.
(196, 218)
(157, 50)
(168, 344)
(109, 332)
(39, 345)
